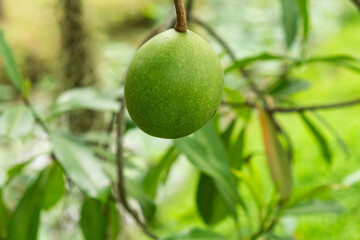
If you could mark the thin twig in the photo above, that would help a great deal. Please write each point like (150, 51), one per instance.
(120, 168)
(315, 107)
(36, 116)
(227, 48)
(294, 109)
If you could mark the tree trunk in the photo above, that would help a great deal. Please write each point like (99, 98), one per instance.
(1, 10)
(77, 68)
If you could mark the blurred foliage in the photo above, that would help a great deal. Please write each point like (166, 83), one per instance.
(223, 182)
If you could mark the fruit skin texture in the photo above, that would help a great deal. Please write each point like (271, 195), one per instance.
(173, 85)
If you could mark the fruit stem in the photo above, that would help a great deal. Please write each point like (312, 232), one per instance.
(181, 24)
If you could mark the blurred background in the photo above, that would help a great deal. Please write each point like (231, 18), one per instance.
(59, 45)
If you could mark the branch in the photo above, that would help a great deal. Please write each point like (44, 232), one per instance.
(294, 109)
(120, 166)
(357, 3)
(36, 116)
(227, 48)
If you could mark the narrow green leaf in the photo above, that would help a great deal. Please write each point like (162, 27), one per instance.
(4, 217)
(93, 220)
(303, 7)
(113, 221)
(13, 171)
(81, 165)
(196, 234)
(314, 206)
(290, 20)
(151, 180)
(278, 162)
(54, 188)
(226, 135)
(320, 139)
(251, 186)
(11, 67)
(16, 122)
(27, 213)
(249, 60)
(288, 87)
(342, 60)
(206, 152)
(334, 132)
(236, 150)
(211, 205)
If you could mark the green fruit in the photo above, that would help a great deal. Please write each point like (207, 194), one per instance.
(173, 85)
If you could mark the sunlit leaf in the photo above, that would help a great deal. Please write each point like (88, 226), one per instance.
(290, 20)
(54, 187)
(151, 180)
(251, 186)
(320, 139)
(314, 206)
(277, 159)
(81, 165)
(16, 122)
(211, 205)
(93, 220)
(27, 213)
(352, 178)
(195, 234)
(249, 60)
(83, 98)
(206, 152)
(11, 67)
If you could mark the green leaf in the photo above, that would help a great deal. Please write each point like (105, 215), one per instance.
(134, 190)
(211, 205)
(303, 7)
(27, 213)
(16, 122)
(93, 220)
(196, 234)
(206, 152)
(320, 139)
(113, 221)
(277, 159)
(342, 60)
(251, 186)
(334, 132)
(54, 188)
(11, 67)
(6, 92)
(290, 20)
(151, 180)
(249, 60)
(81, 165)
(314, 206)
(226, 135)
(4, 217)
(13, 171)
(236, 149)
(83, 98)
(288, 87)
